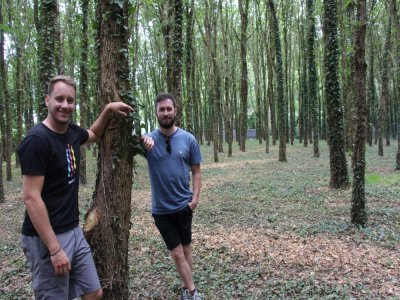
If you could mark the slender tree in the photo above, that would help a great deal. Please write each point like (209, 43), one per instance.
(336, 139)
(384, 96)
(108, 219)
(372, 95)
(190, 95)
(7, 148)
(312, 75)
(2, 199)
(396, 17)
(83, 87)
(228, 117)
(280, 84)
(358, 203)
(244, 13)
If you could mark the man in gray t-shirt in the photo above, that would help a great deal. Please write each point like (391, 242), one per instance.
(174, 156)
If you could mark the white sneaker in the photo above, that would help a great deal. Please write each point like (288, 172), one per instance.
(184, 294)
(195, 295)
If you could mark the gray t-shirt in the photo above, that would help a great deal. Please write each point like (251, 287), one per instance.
(170, 172)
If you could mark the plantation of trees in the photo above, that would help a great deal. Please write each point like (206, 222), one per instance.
(301, 71)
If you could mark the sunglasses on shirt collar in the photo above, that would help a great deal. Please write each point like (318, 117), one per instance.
(168, 143)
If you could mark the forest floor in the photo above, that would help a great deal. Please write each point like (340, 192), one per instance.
(263, 230)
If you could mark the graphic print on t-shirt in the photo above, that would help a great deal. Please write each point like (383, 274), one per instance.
(71, 161)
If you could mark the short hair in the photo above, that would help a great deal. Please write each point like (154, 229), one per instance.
(63, 78)
(164, 96)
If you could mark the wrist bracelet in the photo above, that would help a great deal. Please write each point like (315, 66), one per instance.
(54, 253)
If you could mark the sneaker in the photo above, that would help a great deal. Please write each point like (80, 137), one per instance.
(195, 295)
(184, 294)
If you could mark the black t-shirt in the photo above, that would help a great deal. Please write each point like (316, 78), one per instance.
(55, 156)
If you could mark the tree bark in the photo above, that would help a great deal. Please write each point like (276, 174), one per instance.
(47, 39)
(280, 85)
(384, 97)
(7, 148)
(336, 140)
(397, 74)
(358, 203)
(84, 84)
(108, 219)
(244, 12)
(312, 76)
(190, 95)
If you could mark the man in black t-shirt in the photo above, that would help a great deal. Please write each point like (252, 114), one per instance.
(60, 259)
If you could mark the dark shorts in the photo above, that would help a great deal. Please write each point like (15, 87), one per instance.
(81, 280)
(175, 228)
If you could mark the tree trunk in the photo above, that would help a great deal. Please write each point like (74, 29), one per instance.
(397, 74)
(2, 199)
(108, 219)
(336, 140)
(213, 89)
(372, 96)
(312, 76)
(358, 203)
(188, 64)
(228, 117)
(244, 12)
(384, 97)
(19, 82)
(47, 39)
(84, 84)
(7, 148)
(280, 84)
(271, 92)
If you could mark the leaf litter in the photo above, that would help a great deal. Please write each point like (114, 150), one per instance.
(263, 230)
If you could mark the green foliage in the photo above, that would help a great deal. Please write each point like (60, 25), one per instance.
(382, 179)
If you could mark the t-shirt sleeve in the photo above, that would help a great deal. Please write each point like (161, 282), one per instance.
(196, 156)
(83, 133)
(33, 156)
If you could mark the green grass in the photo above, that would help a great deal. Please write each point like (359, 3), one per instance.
(386, 179)
(263, 230)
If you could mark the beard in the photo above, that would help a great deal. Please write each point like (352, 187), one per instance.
(166, 123)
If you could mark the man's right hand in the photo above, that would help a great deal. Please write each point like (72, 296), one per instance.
(61, 263)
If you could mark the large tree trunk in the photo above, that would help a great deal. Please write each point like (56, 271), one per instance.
(336, 139)
(280, 84)
(358, 207)
(108, 220)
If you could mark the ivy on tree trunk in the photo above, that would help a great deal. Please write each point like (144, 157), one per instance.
(336, 139)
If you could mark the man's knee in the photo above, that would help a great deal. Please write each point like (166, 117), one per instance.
(177, 253)
(97, 295)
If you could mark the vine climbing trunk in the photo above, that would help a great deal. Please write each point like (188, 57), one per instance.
(107, 222)
(358, 203)
(336, 138)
